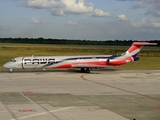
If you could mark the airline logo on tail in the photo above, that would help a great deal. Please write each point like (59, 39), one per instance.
(85, 63)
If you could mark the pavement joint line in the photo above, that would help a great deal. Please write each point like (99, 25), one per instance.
(128, 91)
(9, 110)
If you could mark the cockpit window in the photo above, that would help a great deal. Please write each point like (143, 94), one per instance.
(13, 60)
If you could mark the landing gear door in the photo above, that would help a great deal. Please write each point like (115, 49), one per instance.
(29, 62)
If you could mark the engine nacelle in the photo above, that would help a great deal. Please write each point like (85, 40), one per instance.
(135, 58)
(117, 63)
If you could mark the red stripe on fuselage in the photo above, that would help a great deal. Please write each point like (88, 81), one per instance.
(99, 63)
(65, 66)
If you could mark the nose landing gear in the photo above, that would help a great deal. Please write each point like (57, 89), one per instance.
(10, 70)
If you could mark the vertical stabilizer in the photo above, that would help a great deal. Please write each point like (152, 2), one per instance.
(137, 46)
(130, 55)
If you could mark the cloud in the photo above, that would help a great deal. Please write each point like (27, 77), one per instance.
(71, 23)
(122, 17)
(43, 4)
(66, 7)
(154, 23)
(137, 5)
(36, 21)
(99, 13)
(152, 7)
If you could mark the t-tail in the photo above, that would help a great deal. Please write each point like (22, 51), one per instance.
(130, 55)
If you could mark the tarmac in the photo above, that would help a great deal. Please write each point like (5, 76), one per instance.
(71, 95)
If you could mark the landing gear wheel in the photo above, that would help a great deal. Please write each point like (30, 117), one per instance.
(85, 70)
(82, 70)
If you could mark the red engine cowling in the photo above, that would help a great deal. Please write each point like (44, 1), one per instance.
(116, 63)
(121, 61)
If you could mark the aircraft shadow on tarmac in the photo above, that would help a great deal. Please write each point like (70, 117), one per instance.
(56, 70)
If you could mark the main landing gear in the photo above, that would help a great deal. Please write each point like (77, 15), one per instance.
(85, 70)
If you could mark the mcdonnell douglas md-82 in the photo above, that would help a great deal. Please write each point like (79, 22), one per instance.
(85, 63)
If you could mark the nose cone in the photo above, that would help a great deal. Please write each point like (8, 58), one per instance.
(7, 65)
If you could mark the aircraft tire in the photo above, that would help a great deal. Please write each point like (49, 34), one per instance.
(87, 70)
(82, 70)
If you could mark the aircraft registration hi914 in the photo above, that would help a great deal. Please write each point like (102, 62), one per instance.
(85, 63)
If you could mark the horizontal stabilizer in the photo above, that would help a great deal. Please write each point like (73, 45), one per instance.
(144, 43)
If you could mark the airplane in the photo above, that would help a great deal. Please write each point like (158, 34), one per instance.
(85, 63)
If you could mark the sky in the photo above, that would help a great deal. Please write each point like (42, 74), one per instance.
(81, 19)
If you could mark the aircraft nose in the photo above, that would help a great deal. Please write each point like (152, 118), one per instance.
(7, 65)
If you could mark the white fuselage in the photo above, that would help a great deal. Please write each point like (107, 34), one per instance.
(32, 62)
